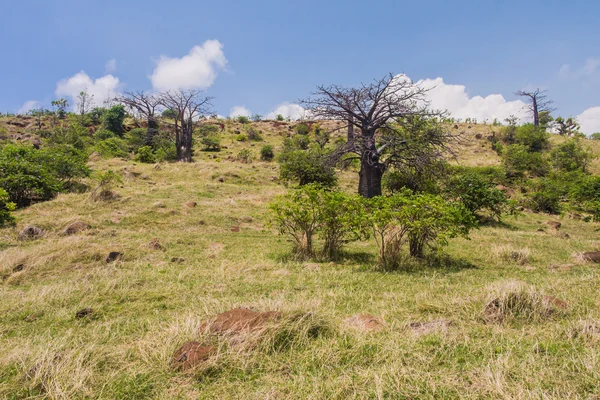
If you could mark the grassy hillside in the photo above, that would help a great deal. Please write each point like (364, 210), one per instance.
(195, 242)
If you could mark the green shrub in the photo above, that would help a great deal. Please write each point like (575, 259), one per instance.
(245, 156)
(6, 206)
(546, 196)
(517, 160)
(397, 180)
(211, 143)
(534, 138)
(595, 136)
(164, 148)
(103, 134)
(74, 134)
(242, 119)
(571, 156)
(280, 117)
(302, 129)
(29, 175)
(241, 138)
(254, 135)
(113, 119)
(96, 116)
(478, 194)
(145, 155)
(112, 148)
(136, 138)
(304, 167)
(266, 153)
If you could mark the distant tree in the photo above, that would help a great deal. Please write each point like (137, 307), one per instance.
(595, 136)
(187, 105)
(61, 106)
(85, 102)
(538, 102)
(144, 104)
(113, 119)
(384, 112)
(256, 117)
(545, 119)
(279, 117)
(566, 127)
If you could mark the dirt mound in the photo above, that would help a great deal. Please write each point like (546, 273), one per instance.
(31, 232)
(190, 356)
(425, 328)
(84, 312)
(365, 322)
(239, 320)
(75, 227)
(593, 256)
(114, 256)
(554, 224)
(191, 204)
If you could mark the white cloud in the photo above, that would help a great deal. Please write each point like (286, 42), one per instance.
(288, 110)
(103, 89)
(589, 120)
(28, 106)
(196, 70)
(591, 65)
(110, 66)
(456, 100)
(239, 111)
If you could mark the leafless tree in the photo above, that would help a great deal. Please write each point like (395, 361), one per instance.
(384, 114)
(144, 104)
(187, 105)
(85, 102)
(538, 102)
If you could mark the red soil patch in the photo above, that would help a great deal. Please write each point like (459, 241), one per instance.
(365, 322)
(239, 320)
(190, 356)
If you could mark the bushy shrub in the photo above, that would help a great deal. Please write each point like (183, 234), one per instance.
(242, 119)
(164, 148)
(571, 156)
(302, 129)
(280, 117)
(113, 119)
(254, 135)
(546, 196)
(304, 167)
(29, 175)
(96, 115)
(478, 195)
(211, 143)
(103, 134)
(145, 155)
(74, 134)
(397, 180)
(241, 138)
(135, 138)
(266, 153)
(112, 147)
(245, 156)
(595, 136)
(534, 138)
(207, 130)
(6, 206)
(106, 182)
(517, 160)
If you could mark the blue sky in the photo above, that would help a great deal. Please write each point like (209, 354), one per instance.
(275, 52)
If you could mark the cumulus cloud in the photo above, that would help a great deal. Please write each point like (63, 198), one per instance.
(28, 106)
(239, 111)
(288, 110)
(456, 100)
(103, 89)
(589, 120)
(110, 66)
(196, 70)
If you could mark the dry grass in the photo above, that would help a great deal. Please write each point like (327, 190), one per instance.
(153, 300)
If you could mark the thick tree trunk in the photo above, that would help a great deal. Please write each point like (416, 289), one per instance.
(350, 129)
(536, 116)
(151, 131)
(371, 170)
(184, 149)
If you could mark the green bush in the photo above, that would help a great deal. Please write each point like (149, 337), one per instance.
(74, 134)
(96, 116)
(241, 138)
(245, 156)
(145, 155)
(242, 119)
(534, 138)
(517, 159)
(280, 117)
(112, 148)
(29, 175)
(266, 153)
(135, 138)
(571, 156)
(302, 129)
(304, 167)
(397, 180)
(113, 119)
(164, 148)
(211, 143)
(103, 134)
(478, 195)
(254, 135)
(6, 206)
(207, 130)
(546, 196)
(595, 136)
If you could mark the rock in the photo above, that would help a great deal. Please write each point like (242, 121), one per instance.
(177, 260)
(76, 227)
(593, 256)
(554, 224)
(235, 229)
(365, 322)
(31, 232)
(84, 312)
(114, 256)
(191, 204)
(221, 179)
(155, 245)
(190, 356)
(455, 126)
(425, 328)
(478, 136)
(239, 320)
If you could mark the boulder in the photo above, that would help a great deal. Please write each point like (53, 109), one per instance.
(75, 227)
(31, 232)
(593, 256)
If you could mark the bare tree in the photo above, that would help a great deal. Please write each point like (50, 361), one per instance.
(187, 105)
(538, 103)
(144, 104)
(381, 111)
(85, 102)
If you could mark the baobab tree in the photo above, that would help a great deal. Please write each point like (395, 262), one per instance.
(394, 126)
(144, 104)
(538, 103)
(187, 105)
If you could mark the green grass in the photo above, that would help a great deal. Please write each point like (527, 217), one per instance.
(146, 305)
